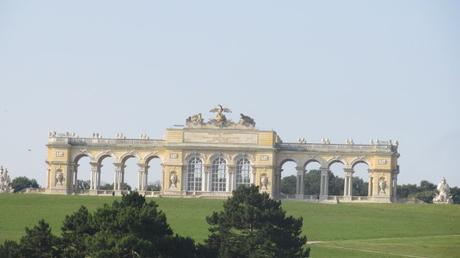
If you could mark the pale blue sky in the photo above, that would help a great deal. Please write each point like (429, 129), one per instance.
(337, 69)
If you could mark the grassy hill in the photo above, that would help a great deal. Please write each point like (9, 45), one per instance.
(344, 230)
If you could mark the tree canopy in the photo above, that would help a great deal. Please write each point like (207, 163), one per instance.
(251, 225)
(131, 227)
(22, 182)
(254, 225)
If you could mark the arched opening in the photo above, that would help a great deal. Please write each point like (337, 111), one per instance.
(288, 186)
(194, 175)
(130, 173)
(243, 172)
(219, 175)
(312, 178)
(336, 178)
(107, 172)
(360, 181)
(82, 179)
(155, 174)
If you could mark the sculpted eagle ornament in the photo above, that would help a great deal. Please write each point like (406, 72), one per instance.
(219, 110)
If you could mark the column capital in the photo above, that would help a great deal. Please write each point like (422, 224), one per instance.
(94, 164)
(324, 170)
(300, 169)
(348, 170)
(143, 165)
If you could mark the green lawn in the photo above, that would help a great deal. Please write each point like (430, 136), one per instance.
(344, 230)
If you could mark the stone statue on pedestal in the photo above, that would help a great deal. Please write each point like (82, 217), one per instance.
(5, 181)
(264, 182)
(443, 195)
(173, 181)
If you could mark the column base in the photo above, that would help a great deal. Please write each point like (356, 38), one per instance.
(92, 192)
(348, 198)
(65, 191)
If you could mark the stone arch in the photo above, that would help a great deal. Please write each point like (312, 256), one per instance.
(101, 156)
(336, 160)
(283, 161)
(359, 160)
(150, 156)
(309, 185)
(194, 154)
(241, 156)
(361, 178)
(217, 155)
(81, 171)
(286, 170)
(77, 156)
(125, 156)
(320, 161)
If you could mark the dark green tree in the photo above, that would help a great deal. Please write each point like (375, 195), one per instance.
(9, 249)
(359, 187)
(403, 191)
(154, 187)
(335, 184)
(134, 228)
(131, 227)
(39, 242)
(312, 182)
(426, 186)
(76, 229)
(22, 182)
(124, 186)
(253, 225)
(455, 192)
(288, 184)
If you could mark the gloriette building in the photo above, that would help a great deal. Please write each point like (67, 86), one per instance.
(212, 158)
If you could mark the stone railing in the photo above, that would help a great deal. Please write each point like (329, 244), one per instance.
(103, 141)
(33, 190)
(152, 193)
(319, 147)
(299, 197)
(209, 194)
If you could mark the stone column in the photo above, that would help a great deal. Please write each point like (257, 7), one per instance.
(278, 183)
(347, 191)
(145, 181)
(395, 186)
(300, 183)
(206, 178)
(117, 176)
(231, 178)
(370, 189)
(75, 177)
(122, 177)
(324, 184)
(98, 177)
(253, 176)
(142, 176)
(94, 170)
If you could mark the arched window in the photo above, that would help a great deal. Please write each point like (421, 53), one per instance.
(219, 175)
(243, 173)
(194, 168)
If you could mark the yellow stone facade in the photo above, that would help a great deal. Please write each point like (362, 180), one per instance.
(211, 159)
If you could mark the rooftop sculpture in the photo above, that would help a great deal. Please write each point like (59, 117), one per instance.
(220, 120)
